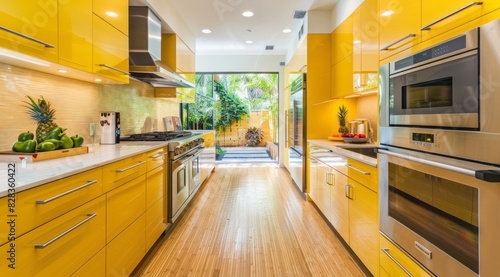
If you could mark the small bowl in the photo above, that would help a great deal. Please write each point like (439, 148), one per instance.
(356, 140)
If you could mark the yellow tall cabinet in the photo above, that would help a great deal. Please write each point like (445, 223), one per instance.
(400, 25)
(318, 68)
(30, 27)
(75, 34)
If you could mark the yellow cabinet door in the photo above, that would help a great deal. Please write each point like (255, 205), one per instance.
(318, 67)
(120, 172)
(342, 41)
(95, 267)
(363, 173)
(441, 16)
(127, 249)
(156, 222)
(110, 51)
(342, 78)
(59, 247)
(41, 204)
(340, 205)
(323, 197)
(156, 158)
(399, 23)
(75, 34)
(363, 224)
(30, 27)
(313, 185)
(396, 263)
(368, 77)
(490, 5)
(124, 205)
(114, 12)
(155, 185)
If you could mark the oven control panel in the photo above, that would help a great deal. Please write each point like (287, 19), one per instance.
(424, 139)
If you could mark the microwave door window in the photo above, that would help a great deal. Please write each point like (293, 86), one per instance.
(432, 94)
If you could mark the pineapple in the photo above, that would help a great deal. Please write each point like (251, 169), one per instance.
(43, 115)
(342, 117)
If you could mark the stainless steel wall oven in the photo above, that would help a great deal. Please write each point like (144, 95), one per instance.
(439, 155)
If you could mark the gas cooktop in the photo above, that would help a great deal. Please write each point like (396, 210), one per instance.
(156, 136)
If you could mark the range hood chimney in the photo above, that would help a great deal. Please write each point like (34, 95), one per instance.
(145, 51)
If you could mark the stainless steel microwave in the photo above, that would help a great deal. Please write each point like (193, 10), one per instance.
(437, 87)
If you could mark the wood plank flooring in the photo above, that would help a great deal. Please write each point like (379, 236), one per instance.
(249, 220)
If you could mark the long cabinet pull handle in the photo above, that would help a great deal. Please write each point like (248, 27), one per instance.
(47, 45)
(358, 170)
(114, 68)
(43, 245)
(398, 41)
(66, 192)
(158, 155)
(428, 26)
(386, 251)
(130, 167)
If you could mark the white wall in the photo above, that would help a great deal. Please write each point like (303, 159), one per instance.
(342, 10)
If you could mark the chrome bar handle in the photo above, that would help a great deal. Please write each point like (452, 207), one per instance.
(114, 68)
(66, 193)
(158, 155)
(130, 167)
(398, 41)
(386, 251)
(348, 189)
(332, 179)
(428, 26)
(358, 170)
(47, 45)
(43, 245)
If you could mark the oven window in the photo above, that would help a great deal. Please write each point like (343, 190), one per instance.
(441, 211)
(431, 94)
(181, 180)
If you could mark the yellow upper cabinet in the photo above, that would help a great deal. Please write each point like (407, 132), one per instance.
(441, 16)
(318, 67)
(342, 78)
(114, 12)
(30, 27)
(110, 51)
(75, 34)
(400, 23)
(342, 41)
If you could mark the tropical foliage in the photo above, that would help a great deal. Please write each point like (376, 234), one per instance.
(229, 107)
(254, 136)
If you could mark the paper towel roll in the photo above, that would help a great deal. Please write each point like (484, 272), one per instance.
(361, 129)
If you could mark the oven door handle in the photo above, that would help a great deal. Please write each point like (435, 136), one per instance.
(485, 175)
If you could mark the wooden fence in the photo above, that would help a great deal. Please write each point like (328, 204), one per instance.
(235, 134)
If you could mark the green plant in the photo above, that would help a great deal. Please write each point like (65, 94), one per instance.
(218, 150)
(254, 136)
(230, 107)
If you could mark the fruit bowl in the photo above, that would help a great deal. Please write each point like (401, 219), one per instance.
(355, 140)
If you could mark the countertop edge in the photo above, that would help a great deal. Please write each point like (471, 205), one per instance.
(334, 146)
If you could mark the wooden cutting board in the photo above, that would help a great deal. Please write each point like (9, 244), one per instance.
(42, 156)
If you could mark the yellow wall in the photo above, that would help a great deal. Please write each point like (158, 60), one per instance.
(77, 104)
(322, 118)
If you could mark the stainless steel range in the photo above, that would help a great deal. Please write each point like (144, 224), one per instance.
(183, 166)
(440, 156)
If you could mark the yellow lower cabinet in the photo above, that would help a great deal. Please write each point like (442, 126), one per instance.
(156, 158)
(363, 225)
(95, 267)
(118, 173)
(363, 173)
(396, 263)
(126, 251)
(59, 247)
(124, 205)
(155, 185)
(156, 222)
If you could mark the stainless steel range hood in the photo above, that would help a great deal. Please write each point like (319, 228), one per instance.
(145, 51)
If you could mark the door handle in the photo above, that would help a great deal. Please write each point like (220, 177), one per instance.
(386, 251)
(398, 41)
(428, 26)
(358, 170)
(47, 45)
(114, 68)
(130, 167)
(66, 192)
(43, 245)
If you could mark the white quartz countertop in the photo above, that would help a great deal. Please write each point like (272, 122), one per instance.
(38, 173)
(339, 148)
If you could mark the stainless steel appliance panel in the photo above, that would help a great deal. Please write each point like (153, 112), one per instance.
(297, 132)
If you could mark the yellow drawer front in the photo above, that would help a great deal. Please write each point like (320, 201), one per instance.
(39, 205)
(155, 222)
(126, 250)
(363, 173)
(155, 185)
(36, 25)
(388, 252)
(95, 267)
(118, 16)
(156, 158)
(110, 51)
(120, 172)
(80, 233)
(124, 205)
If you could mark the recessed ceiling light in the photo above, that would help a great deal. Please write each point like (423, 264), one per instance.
(247, 14)
(286, 31)
(249, 41)
(206, 31)
(387, 13)
(62, 71)
(111, 13)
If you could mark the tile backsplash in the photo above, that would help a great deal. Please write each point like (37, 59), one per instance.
(77, 104)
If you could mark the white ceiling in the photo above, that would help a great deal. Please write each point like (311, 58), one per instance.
(230, 29)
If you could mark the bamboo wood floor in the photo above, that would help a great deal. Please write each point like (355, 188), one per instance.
(249, 220)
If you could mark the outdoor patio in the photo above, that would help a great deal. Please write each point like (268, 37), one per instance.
(246, 155)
